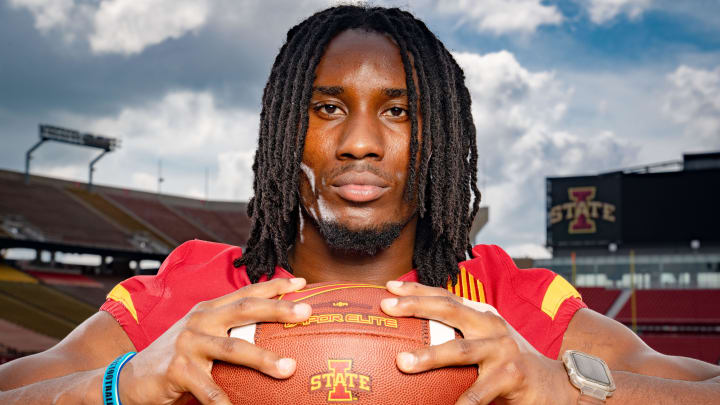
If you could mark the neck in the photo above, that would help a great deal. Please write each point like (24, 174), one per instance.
(311, 258)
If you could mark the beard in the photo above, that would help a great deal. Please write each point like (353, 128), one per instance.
(362, 242)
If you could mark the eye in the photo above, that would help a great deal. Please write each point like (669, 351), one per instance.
(396, 112)
(327, 109)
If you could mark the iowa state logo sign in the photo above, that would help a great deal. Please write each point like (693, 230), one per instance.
(582, 211)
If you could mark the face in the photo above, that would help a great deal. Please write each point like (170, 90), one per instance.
(356, 155)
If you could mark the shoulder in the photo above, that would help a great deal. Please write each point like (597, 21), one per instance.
(540, 287)
(145, 306)
(537, 302)
(193, 260)
(197, 252)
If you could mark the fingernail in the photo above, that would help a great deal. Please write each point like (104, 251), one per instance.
(285, 365)
(394, 284)
(407, 360)
(297, 281)
(302, 309)
(390, 302)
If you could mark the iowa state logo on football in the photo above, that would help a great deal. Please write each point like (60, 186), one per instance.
(582, 210)
(340, 381)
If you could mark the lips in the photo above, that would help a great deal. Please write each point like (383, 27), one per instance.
(360, 186)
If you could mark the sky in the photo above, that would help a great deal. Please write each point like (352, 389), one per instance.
(559, 88)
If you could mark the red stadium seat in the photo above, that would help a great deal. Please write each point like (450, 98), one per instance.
(674, 307)
(702, 347)
(598, 299)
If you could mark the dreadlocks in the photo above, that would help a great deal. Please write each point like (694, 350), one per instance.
(442, 180)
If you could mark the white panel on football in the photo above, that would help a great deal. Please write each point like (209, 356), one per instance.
(440, 333)
(246, 333)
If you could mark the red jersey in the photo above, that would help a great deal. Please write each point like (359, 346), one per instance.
(536, 302)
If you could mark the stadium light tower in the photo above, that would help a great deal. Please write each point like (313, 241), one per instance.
(52, 133)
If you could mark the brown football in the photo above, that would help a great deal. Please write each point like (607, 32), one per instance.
(345, 352)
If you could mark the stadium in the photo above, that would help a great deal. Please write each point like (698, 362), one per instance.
(663, 282)
(642, 247)
(42, 300)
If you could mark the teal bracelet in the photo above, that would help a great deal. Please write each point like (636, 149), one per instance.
(110, 380)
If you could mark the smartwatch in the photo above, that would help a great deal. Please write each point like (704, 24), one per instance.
(590, 375)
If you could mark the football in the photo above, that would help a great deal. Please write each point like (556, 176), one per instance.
(345, 352)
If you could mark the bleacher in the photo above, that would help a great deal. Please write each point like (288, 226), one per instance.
(45, 301)
(55, 216)
(674, 307)
(116, 214)
(599, 299)
(705, 347)
(160, 216)
(231, 226)
(47, 210)
(42, 309)
(676, 322)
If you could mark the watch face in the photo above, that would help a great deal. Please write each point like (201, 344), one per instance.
(591, 369)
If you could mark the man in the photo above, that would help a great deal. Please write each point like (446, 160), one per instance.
(365, 170)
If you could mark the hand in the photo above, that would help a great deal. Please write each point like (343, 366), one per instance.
(510, 370)
(179, 362)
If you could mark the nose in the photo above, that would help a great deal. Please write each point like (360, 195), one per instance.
(361, 138)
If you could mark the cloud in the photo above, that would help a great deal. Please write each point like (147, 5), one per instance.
(235, 176)
(501, 16)
(129, 26)
(694, 102)
(65, 16)
(602, 11)
(118, 26)
(48, 13)
(522, 139)
(188, 131)
(528, 250)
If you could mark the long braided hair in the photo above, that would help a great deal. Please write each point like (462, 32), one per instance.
(441, 182)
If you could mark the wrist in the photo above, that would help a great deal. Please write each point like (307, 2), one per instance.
(85, 392)
(588, 400)
(565, 392)
(126, 391)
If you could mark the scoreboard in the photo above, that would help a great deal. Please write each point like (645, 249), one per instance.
(661, 209)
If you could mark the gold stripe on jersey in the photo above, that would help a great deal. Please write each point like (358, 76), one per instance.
(467, 287)
(557, 292)
(463, 275)
(122, 295)
(473, 287)
(481, 291)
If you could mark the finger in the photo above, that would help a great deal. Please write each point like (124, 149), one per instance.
(458, 352)
(201, 385)
(266, 289)
(411, 288)
(240, 352)
(441, 308)
(245, 311)
(487, 388)
(253, 310)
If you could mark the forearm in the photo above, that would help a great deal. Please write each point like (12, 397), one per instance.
(83, 387)
(642, 389)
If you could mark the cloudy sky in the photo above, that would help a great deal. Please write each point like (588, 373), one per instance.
(559, 88)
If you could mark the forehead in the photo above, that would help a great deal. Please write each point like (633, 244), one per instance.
(359, 57)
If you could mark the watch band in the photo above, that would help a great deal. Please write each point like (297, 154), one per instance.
(588, 400)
